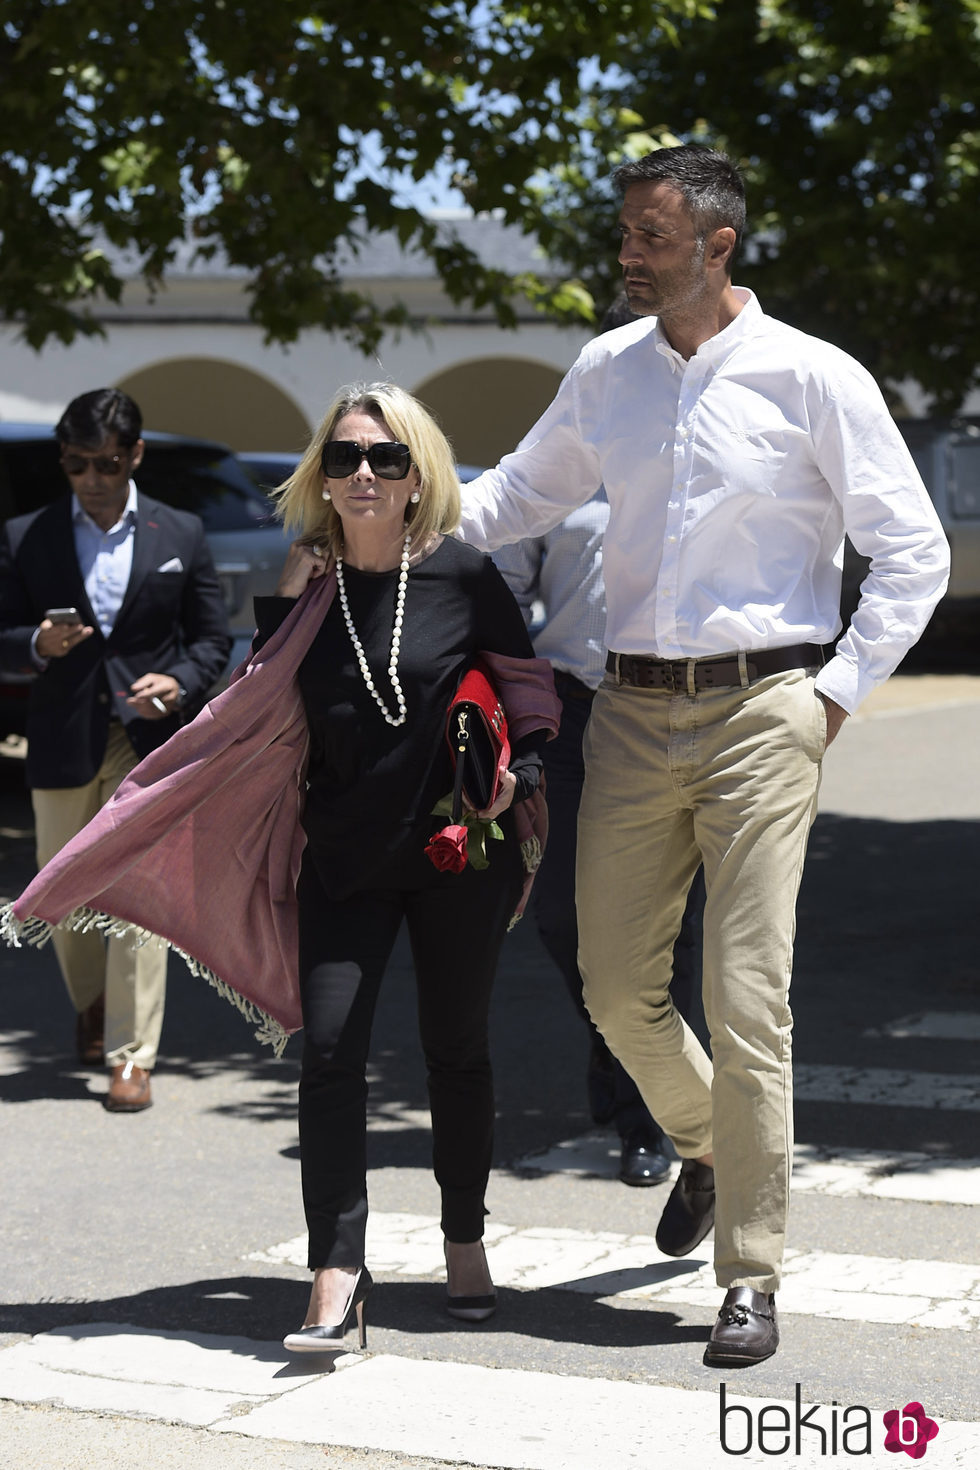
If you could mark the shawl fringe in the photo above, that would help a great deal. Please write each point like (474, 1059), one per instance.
(36, 932)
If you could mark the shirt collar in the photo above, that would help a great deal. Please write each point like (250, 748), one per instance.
(718, 347)
(81, 517)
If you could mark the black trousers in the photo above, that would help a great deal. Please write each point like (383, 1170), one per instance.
(456, 923)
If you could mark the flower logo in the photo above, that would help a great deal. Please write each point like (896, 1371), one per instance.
(909, 1429)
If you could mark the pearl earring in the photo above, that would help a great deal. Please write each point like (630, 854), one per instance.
(325, 494)
(414, 497)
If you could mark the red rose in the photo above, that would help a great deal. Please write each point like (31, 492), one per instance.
(447, 849)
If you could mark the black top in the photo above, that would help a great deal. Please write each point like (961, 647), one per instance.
(372, 786)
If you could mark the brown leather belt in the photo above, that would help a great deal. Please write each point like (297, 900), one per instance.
(692, 675)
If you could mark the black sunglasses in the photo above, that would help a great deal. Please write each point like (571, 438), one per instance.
(342, 457)
(104, 464)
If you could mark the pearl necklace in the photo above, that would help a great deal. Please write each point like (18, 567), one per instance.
(396, 638)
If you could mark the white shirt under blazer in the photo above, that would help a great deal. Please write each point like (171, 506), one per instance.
(731, 478)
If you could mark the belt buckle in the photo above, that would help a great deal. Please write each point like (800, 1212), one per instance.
(667, 673)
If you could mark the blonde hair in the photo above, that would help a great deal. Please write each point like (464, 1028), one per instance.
(299, 500)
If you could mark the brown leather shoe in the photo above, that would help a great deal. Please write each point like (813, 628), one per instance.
(129, 1089)
(747, 1329)
(89, 1026)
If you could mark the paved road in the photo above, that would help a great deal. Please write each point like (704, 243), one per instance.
(152, 1262)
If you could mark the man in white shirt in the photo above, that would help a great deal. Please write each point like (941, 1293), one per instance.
(735, 452)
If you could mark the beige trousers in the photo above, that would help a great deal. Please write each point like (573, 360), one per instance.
(729, 777)
(134, 979)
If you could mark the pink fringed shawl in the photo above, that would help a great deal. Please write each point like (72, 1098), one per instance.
(201, 844)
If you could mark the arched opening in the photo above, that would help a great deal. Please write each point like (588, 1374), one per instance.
(210, 398)
(487, 405)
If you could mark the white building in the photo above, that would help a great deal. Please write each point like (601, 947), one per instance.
(196, 364)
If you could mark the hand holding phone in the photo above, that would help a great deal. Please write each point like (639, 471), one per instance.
(60, 631)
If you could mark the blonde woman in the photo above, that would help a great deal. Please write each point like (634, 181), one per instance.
(375, 500)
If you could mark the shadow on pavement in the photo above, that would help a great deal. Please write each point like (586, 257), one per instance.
(262, 1308)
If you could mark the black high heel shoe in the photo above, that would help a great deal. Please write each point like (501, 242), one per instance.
(470, 1308)
(318, 1338)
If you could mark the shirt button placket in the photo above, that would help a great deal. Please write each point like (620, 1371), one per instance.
(668, 584)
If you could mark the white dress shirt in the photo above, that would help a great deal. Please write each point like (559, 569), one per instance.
(105, 558)
(731, 478)
(563, 570)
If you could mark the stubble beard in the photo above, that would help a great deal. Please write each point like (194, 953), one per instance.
(680, 291)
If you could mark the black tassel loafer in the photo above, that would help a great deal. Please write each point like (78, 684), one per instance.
(747, 1329)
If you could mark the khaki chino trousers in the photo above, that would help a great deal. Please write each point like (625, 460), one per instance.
(134, 979)
(729, 777)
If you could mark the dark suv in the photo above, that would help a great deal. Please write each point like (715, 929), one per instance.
(248, 546)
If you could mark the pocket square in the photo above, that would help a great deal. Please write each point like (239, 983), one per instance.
(173, 565)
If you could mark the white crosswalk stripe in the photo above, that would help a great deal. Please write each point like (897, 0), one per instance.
(816, 1170)
(604, 1264)
(932, 1025)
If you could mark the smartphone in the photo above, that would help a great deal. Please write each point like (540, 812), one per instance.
(63, 615)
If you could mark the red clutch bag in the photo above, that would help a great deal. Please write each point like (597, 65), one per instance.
(476, 731)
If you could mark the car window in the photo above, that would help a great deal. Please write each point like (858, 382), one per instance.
(922, 454)
(269, 469)
(212, 485)
(964, 486)
(30, 476)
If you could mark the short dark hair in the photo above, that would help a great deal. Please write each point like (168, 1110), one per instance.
(709, 183)
(91, 417)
